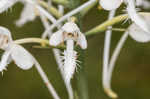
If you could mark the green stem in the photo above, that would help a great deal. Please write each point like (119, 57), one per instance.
(37, 40)
(32, 40)
(102, 27)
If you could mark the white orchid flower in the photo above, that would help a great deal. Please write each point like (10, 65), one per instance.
(13, 52)
(69, 33)
(22, 58)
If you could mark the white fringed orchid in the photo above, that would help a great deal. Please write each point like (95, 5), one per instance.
(71, 34)
(17, 53)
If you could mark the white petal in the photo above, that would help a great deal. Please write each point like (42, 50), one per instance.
(28, 14)
(70, 27)
(138, 34)
(82, 41)
(139, 20)
(5, 60)
(21, 57)
(56, 38)
(5, 4)
(110, 4)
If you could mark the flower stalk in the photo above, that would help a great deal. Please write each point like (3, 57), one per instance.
(39, 41)
(50, 8)
(45, 80)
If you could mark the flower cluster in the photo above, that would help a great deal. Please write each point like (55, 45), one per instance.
(69, 35)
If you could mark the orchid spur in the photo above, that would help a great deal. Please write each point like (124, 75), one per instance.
(107, 43)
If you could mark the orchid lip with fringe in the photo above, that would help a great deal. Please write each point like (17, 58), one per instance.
(69, 33)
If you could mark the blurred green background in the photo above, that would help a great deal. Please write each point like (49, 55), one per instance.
(130, 79)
